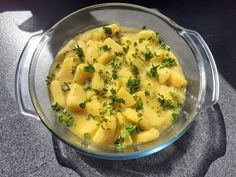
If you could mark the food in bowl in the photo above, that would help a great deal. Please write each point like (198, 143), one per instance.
(116, 85)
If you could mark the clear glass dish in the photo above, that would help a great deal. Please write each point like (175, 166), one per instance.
(194, 55)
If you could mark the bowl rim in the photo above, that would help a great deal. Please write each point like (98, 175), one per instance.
(114, 156)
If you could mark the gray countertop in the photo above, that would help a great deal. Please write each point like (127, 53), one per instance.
(26, 147)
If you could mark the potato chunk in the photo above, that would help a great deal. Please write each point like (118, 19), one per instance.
(116, 48)
(57, 93)
(94, 107)
(92, 52)
(124, 94)
(164, 75)
(146, 136)
(106, 132)
(131, 116)
(76, 96)
(177, 80)
(65, 74)
(97, 82)
(82, 126)
(81, 75)
(106, 57)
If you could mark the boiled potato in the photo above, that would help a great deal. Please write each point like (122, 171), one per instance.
(132, 116)
(97, 82)
(94, 107)
(81, 75)
(106, 57)
(164, 75)
(92, 52)
(116, 48)
(57, 93)
(124, 94)
(177, 80)
(146, 136)
(65, 74)
(82, 126)
(106, 132)
(76, 96)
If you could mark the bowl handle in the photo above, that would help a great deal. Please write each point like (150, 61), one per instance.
(21, 78)
(208, 63)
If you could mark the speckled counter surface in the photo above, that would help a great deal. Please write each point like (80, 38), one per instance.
(26, 147)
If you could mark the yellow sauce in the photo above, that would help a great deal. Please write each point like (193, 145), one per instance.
(116, 85)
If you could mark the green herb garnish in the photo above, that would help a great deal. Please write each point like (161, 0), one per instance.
(87, 136)
(174, 117)
(66, 86)
(147, 93)
(114, 75)
(79, 52)
(166, 104)
(64, 116)
(73, 69)
(50, 79)
(132, 129)
(168, 62)
(119, 142)
(134, 70)
(133, 84)
(116, 62)
(153, 71)
(56, 107)
(148, 54)
(89, 69)
(139, 106)
(107, 31)
(105, 48)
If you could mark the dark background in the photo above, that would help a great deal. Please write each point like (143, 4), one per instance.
(214, 20)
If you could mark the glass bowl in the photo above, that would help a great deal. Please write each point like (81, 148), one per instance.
(193, 53)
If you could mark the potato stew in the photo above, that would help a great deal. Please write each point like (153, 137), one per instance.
(117, 86)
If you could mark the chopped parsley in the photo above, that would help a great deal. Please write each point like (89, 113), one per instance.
(144, 27)
(73, 69)
(134, 70)
(147, 93)
(126, 49)
(79, 52)
(119, 142)
(66, 86)
(56, 107)
(166, 104)
(139, 106)
(58, 66)
(87, 136)
(133, 84)
(64, 116)
(116, 62)
(50, 78)
(66, 120)
(113, 91)
(105, 48)
(168, 62)
(153, 71)
(82, 105)
(114, 75)
(163, 45)
(174, 117)
(89, 69)
(87, 84)
(148, 55)
(114, 100)
(135, 44)
(174, 94)
(132, 129)
(107, 31)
